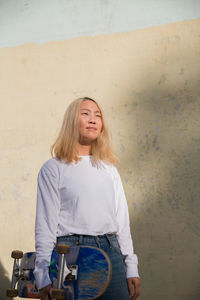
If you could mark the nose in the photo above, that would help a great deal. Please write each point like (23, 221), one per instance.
(92, 119)
(92, 122)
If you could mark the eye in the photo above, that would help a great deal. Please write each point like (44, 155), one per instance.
(98, 116)
(84, 113)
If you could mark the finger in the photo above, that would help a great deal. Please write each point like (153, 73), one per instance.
(136, 292)
(44, 297)
(134, 296)
(50, 294)
(130, 288)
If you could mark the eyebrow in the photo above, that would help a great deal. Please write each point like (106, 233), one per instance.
(90, 110)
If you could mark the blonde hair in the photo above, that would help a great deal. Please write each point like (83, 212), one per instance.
(65, 146)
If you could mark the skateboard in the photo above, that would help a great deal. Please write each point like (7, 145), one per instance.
(77, 273)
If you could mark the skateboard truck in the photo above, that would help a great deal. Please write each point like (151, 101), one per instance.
(12, 292)
(70, 273)
(58, 292)
(25, 274)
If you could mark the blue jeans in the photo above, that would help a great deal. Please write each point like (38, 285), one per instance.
(117, 289)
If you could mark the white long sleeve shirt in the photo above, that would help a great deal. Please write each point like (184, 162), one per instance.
(80, 198)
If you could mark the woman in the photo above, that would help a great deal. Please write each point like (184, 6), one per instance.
(80, 200)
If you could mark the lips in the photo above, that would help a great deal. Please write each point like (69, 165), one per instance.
(91, 128)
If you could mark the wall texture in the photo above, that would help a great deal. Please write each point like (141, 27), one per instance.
(41, 21)
(148, 82)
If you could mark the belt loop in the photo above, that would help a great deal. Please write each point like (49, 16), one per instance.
(97, 241)
(109, 241)
(80, 240)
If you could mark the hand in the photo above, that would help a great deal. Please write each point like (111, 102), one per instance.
(136, 282)
(46, 293)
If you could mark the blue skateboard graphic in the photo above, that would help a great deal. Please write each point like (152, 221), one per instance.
(77, 273)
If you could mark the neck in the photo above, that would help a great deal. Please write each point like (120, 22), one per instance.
(83, 149)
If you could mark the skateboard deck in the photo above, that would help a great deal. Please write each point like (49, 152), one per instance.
(86, 273)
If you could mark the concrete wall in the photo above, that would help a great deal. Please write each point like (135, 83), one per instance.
(41, 21)
(148, 82)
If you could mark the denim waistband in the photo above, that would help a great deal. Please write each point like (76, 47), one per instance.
(89, 238)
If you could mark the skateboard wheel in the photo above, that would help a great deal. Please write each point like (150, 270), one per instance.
(11, 293)
(17, 254)
(58, 294)
(63, 249)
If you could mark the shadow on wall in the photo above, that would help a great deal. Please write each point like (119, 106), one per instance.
(161, 169)
(4, 283)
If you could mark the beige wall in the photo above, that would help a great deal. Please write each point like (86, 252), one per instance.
(148, 82)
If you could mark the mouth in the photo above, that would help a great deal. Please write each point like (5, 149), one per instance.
(91, 128)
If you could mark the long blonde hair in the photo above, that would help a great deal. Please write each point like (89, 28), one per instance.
(65, 146)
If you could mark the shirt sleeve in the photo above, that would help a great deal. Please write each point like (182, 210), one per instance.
(47, 213)
(123, 233)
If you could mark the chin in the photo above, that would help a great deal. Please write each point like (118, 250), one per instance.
(92, 136)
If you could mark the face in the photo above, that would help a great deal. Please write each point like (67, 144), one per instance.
(90, 122)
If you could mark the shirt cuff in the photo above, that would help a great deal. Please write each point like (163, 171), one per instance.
(42, 277)
(132, 271)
